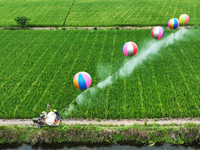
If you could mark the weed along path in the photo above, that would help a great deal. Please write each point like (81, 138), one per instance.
(125, 122)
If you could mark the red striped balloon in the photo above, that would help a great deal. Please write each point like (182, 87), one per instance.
(129, 49)
(157, 32)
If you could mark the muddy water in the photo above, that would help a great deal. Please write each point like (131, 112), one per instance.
(96, 147)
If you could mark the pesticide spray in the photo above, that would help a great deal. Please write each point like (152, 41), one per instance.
(152, 48)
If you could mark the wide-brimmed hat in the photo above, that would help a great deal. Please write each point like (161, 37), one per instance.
(43, 112)
(54, 110)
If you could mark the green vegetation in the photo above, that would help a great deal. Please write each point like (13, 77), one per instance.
(22, 21)
(139, 134)
(131, 13)
(98, 12)
(41, 12)
(37, 68)
(95, 28)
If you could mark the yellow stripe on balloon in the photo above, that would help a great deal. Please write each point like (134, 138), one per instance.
(76, 81)
(172, 24)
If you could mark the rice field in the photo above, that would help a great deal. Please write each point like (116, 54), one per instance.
(37, 68)
(41, 12)
(131, 12)
(98, 12)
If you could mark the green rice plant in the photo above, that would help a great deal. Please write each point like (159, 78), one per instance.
(117, 27)
(173, 124)
(92, 13)
(120, 12)
(22, 21)
(95, 28)
(155, 119)
(42, 12)
(37, 69)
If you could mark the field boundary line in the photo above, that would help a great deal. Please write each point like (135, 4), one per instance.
(68, 12)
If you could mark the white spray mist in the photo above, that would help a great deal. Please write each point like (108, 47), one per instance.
(152, 48)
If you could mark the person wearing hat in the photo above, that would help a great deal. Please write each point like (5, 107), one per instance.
(44, 115)
(57, 114)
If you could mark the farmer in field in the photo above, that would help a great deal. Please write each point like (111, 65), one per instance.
(44, 115)
(57, 114)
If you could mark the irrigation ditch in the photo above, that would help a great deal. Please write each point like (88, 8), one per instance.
(143, 131)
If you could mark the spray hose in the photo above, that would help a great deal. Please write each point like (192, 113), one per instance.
(67, 106)
(72, 101)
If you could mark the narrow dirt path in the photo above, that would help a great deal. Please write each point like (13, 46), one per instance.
(100, 28)
(125, 122)
(92, 28)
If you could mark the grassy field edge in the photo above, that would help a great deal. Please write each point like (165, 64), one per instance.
(135, 134)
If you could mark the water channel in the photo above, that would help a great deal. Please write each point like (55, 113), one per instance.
(96, 147)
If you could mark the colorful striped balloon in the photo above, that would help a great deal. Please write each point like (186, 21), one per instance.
(82, 80)
(173, 23)
(157, 32)
(183, 19)
(129, 49)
